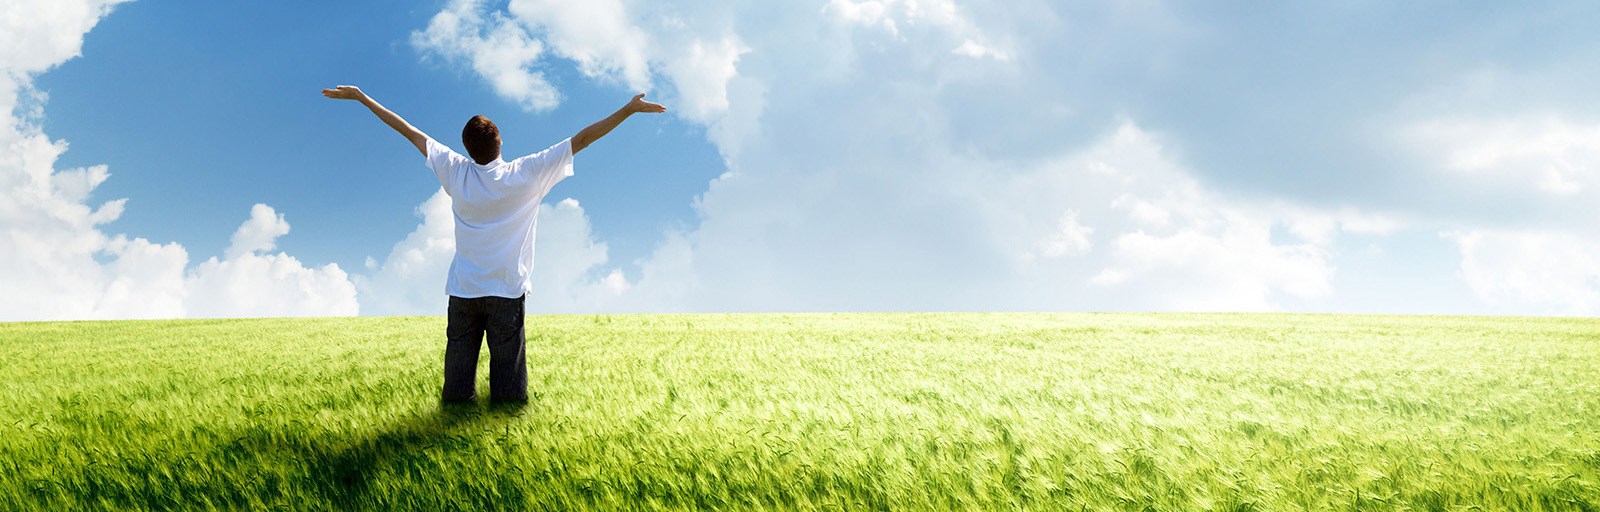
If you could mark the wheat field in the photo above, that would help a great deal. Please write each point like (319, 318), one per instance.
(913, 411)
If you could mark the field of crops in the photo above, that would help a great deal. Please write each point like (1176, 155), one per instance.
(812, 412)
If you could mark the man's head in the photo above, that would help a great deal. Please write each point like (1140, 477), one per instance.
(482, 139)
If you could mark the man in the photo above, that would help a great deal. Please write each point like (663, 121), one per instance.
(496, 207)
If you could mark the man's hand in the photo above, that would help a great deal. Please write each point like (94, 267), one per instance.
(344, 92)
(637, 105)
(351, 92)
(600, 128)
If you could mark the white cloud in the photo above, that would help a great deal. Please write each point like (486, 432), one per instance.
(496, 47)
(39, 34)
(666, 279)
(260, 233)
(927, 235)
(248, 282)
(145, 280)
(975, 50)
(1070, 239)
(701, 75)
(1320, 226)
(568, 262)
(52, 246)
(897, 17)
(1179, 245)
(1553, 154)
(942, 13)
(267, 285)
(609, 40)
(73, 270)
(863, 13)
(1142, 211)
(1237, 269)
(1531, 270)
(597, 34)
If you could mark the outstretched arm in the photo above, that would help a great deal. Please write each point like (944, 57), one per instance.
(351, 92)
(600, 128)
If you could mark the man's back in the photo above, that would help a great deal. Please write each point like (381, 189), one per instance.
(496, 209)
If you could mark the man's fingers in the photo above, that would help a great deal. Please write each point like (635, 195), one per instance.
(343, 92)
(638, 97)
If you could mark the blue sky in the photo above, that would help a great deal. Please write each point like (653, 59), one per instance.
(832, 155)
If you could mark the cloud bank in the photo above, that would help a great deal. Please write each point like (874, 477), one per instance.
(934, 154)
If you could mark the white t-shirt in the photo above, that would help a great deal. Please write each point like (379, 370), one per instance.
(496, 208)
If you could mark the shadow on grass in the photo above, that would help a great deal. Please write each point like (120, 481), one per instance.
(346, 471)
(273, 464)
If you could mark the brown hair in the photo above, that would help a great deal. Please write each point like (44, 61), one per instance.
(482, 139)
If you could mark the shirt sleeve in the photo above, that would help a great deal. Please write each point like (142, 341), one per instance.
(445, 163)
(548, 167)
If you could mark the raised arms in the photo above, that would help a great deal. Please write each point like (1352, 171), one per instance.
(417, 138)
(600, 128)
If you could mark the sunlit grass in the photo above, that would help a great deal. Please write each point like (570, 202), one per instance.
(813, 412)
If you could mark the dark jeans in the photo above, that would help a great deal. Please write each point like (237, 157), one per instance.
(501, 319)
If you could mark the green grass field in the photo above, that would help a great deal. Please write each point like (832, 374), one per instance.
(812, 412)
